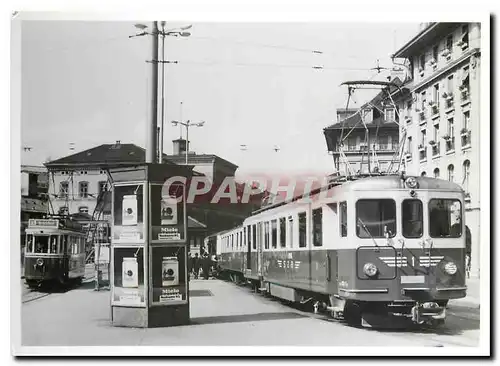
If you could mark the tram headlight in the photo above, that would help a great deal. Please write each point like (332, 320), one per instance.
(39, 262)
(411, 182)
(370, 269)
(450, 268)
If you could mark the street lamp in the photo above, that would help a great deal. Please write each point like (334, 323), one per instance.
(174, 32)
(188, 124)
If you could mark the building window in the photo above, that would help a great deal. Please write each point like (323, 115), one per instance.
(464, 39)
(465, 182)
(302, 230)
(383, 143)
(409, 106)
(343, 218)
(410, 147)
(464, 86)
(351, 143)
(435, 141)
(83, 209)
(83, 189)
(436, 173)
(449, 42)
(435, 53)
(421, 66)
(450, 136)
(317, 227)
(63, 189)
(465, 133)
(423, 147)
(423, 100)
(103, 186)
(390, 115)
(451, 170)
(435, 96)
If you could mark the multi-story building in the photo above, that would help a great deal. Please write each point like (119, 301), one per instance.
(357, 149)
(442, 114)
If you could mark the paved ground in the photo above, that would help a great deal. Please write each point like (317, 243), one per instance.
(232, 316)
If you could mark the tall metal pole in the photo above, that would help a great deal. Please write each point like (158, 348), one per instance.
(187, 141)
(162, 89)
(151, 145)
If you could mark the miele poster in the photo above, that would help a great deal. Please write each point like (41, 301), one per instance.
(168, 275)
(129, 276)
(128, 214)
(167, 214)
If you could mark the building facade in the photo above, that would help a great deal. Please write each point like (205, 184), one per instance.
(442, 113)
(374, 149)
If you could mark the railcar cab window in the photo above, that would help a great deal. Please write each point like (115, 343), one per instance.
(317, 227)
(412, 218)
(375, 218)
(43, 244)
(445, 218)
(302, 230)
(343, 218)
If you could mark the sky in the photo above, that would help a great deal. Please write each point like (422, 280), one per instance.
(87, 83)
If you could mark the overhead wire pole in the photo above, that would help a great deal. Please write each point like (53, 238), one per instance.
(151, 147)
(160, 155)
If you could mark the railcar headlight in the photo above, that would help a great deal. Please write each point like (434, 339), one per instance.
(450, 268)
(370, 269)
(39, 261)
(411, 182)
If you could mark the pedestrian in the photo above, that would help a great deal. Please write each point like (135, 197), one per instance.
(206, 266)
(196, 266)
(190, 265)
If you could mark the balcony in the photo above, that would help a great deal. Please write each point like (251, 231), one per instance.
(462, 44)
(434, 109)
(421, 115)
(464, 94)
(421, 71)
(436, 150)
(433, 63)
(446, 54)
(450, 143)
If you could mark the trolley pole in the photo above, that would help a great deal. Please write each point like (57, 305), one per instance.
(151, 149)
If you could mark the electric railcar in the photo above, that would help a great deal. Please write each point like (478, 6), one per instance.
(369, 251)
(54, 251)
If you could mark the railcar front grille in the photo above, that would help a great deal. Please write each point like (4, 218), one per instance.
(395, 261)
(432, 261)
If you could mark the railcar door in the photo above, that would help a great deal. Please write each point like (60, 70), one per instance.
(249, 248)
(259, 248)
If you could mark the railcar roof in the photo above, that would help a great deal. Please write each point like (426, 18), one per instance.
(395, 182)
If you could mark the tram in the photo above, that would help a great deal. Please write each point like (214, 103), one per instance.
(371, 251)
(54, 251)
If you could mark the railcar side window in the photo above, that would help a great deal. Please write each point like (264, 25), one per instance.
(274, 233)
(254, 234)
(445, 218)
(302, 230)
(282, 232)
(30, 248)
(317, 227)
(413, 219)
(375, 218)
(266, 235)
(290, 231)
(343, 218)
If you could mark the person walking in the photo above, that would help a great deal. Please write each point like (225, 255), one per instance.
(467, 265)
(206, 266)
(196, 266)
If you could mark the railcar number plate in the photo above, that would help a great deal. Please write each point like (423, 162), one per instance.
(412, 279)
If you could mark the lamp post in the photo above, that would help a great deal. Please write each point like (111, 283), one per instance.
(188, 124)
(156, 33)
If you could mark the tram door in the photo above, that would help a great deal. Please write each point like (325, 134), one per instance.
(259, 248)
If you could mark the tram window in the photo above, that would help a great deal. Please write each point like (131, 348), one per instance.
(254, 235)
(266, 235)
(302, 230)
(445, 218)
(318, 227)
(245, 236)
(53, 244)
(30, 248)
(412, 218)
(282, 232)
(274, 233)
(343, 218)
(290, 231)
(42, 244)
(375, 218)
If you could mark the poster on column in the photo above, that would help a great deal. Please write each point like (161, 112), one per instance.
(168, 267)
(128, 214)
(128, 276)
(167, 213)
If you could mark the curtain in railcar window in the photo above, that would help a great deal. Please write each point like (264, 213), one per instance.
(274, 233)
(282, 232)
(302, 230)
(317, 227)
